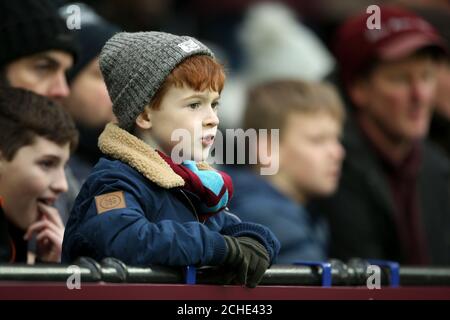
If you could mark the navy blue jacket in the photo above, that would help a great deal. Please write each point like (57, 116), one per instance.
(155, 224)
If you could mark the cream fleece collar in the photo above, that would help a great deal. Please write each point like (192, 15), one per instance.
(119, 144)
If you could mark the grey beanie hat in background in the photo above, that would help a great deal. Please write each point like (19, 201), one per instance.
(135, 65)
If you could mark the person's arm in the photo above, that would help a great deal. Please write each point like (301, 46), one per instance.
(251, 249)
(126, 234)
(231, 225)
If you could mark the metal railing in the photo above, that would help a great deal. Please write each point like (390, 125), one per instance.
(354, 273)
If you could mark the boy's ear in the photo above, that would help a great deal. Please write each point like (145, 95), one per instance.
(144, 120)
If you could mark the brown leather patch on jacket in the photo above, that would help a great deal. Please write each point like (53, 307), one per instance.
(110, 201)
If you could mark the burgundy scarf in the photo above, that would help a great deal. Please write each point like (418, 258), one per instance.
(214, 188)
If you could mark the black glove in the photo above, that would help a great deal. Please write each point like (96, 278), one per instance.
(247, 259)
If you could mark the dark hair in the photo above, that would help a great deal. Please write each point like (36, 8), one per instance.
(25, 115)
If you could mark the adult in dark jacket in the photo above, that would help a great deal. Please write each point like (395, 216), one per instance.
(139, 204)
(393, 200)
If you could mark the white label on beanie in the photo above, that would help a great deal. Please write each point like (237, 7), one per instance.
(189, 46)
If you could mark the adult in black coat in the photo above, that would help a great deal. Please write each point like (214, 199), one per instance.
(393, 201)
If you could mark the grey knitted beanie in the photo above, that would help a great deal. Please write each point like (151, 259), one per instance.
(135, 65)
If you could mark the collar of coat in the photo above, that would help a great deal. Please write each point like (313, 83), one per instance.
(120, 144)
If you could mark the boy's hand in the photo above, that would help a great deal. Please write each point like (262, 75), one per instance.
(49, 231)
(248, 259)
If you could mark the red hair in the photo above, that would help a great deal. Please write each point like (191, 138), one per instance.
(198, 72)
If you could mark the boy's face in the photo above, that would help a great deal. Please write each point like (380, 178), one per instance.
(195, 112)
(311, 153)
(397, 97)
(43, 73)
(35, 175)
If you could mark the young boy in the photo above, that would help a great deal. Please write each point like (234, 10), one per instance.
(37, 137)
(140, 206)
(309, 117)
